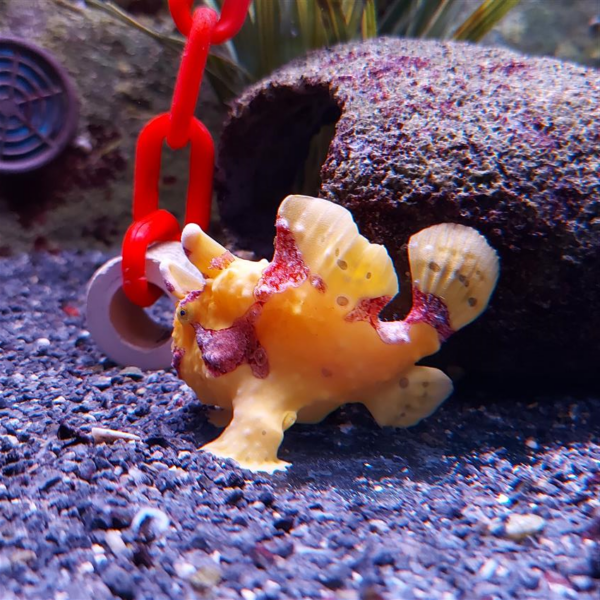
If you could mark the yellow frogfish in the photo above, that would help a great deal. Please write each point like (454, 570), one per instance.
(291, 340)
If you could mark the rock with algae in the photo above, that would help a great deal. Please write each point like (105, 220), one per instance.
(413, 133)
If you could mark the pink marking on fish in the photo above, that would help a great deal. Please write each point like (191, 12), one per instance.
(222, 262)
(287, 269)
(223, 350)
(318, 283)
(190, 297)
(430, 309)
(178, 354)
(368, 309)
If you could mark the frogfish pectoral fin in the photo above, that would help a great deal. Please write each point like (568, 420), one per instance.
(254, 434)
(415, 395)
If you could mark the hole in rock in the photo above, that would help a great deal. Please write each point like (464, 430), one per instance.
(275, 150)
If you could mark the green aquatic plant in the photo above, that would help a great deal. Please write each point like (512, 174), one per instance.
(441, 19)
(277, 31)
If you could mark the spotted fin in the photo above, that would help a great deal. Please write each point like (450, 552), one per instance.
(334, 251)
(456, 264)
(416, 394)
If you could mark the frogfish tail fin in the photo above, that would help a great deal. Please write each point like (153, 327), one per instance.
(454, 272)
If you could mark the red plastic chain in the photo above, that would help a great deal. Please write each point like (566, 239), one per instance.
(179, 127)
(232, 18)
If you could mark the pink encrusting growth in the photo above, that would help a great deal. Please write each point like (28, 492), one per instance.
(368, 309)
(293, 339)
(390, 332)
(318, 283)
(190, 297)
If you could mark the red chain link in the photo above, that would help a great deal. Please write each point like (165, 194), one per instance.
(178, 127)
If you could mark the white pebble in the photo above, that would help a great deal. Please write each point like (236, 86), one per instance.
(488, 569)
(11, 439)
(521, 526)
(184, 569)
(115, 542)
(100, 435)
(150, 523)
(86, 567)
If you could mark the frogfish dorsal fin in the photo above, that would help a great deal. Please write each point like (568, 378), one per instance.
(350, 267)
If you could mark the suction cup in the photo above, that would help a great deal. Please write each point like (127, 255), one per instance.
(38, 107)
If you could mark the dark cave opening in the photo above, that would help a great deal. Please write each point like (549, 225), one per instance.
(277, 149)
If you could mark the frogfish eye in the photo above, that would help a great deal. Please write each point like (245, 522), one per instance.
(184, 315)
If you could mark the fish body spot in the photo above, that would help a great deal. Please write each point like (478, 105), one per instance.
(463, 279)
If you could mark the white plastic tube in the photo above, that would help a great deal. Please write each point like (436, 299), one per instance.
(123, 330)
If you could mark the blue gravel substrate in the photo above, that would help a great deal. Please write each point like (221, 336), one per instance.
(363, 514)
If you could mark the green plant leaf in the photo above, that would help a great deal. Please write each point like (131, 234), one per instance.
(277, 31)
(483, 19)
(368, 23)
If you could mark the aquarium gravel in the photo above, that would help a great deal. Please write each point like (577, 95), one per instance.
(495, 496)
